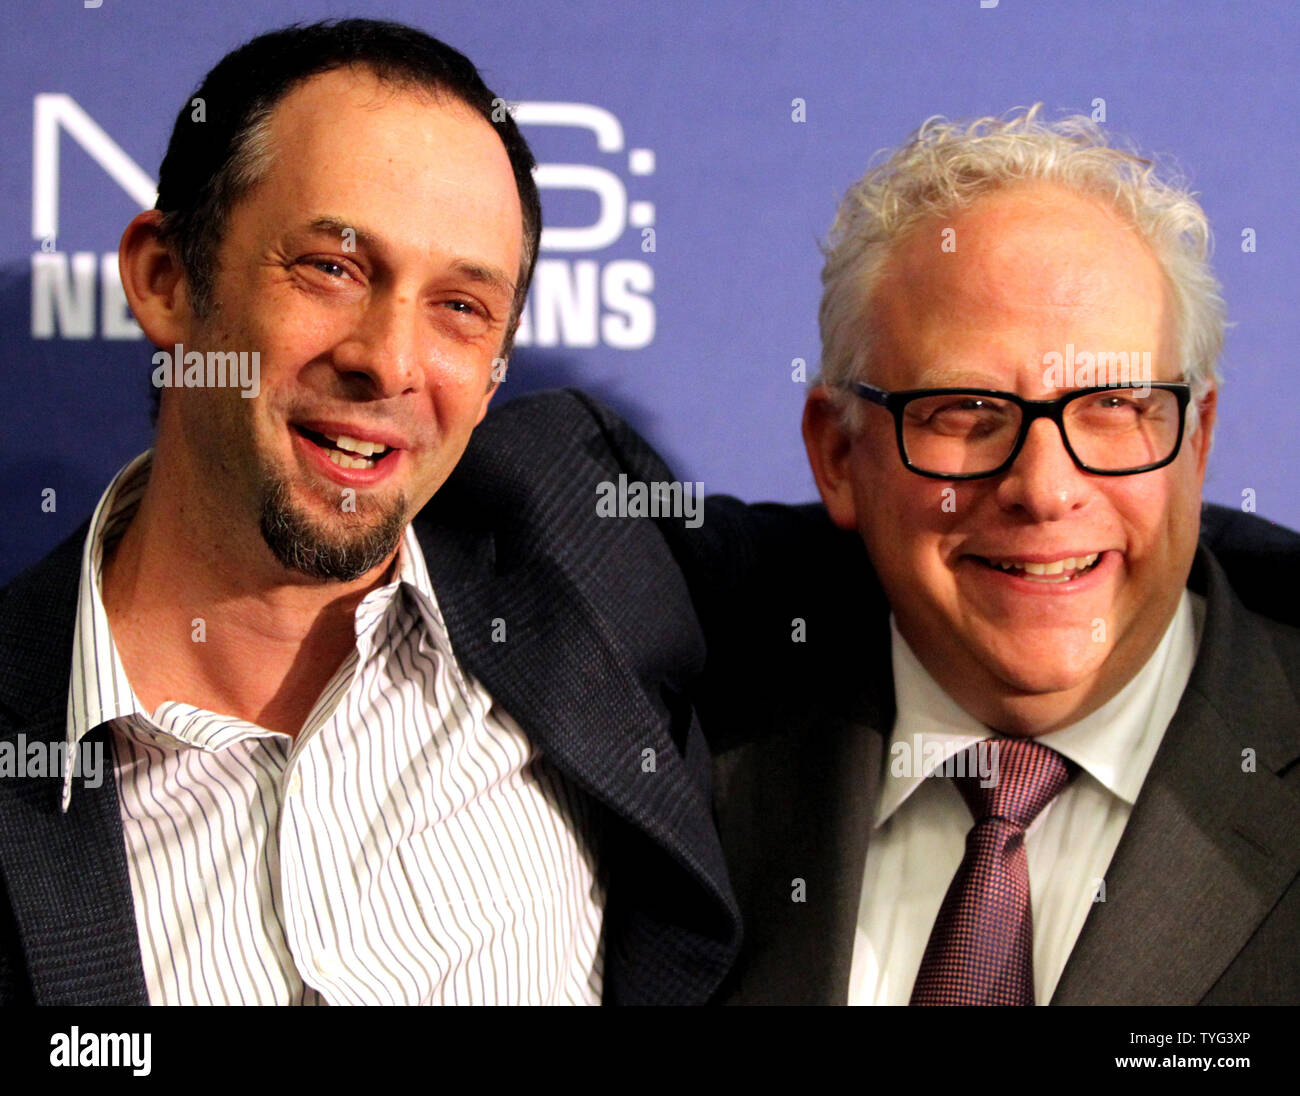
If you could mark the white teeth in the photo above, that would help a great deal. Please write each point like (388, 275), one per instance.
(356, 445)
(349, 462)
(1047, 572)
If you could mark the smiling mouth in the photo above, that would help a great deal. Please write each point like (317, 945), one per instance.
(348, 452)
(1056, 571)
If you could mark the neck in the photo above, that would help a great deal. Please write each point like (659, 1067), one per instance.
(216, 621)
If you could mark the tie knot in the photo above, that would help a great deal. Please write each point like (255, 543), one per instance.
(1022, 777)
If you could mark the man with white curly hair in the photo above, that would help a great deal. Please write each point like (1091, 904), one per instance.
(1051, 757)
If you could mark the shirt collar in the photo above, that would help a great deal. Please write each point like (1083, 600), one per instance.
(98, 688)
(410, 578)
(1115, 744)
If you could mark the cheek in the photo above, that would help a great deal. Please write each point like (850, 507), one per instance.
(294, 341)
(881, 484)
(458, 400)
(901, 508)
(289, 327)
(458, 376)
(1155, 511)
(905, 521)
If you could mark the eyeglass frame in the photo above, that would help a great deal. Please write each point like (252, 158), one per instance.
(1030, 412)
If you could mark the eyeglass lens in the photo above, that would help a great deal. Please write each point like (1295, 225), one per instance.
(1114, 430)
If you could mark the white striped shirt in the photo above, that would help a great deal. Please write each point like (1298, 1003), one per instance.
(409, 846)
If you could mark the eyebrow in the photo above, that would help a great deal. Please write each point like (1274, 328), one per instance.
(482, 273)
(490, 276)
(332, 226)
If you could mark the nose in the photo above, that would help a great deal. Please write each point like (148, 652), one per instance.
(1044, 482)
(383, 354)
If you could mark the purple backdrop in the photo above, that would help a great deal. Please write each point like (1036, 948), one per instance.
(679, 119)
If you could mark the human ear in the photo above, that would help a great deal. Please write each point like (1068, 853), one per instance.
(830, 445)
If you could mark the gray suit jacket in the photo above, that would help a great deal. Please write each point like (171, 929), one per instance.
(1202, 900)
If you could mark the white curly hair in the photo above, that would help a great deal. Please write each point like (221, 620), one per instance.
(945, 165)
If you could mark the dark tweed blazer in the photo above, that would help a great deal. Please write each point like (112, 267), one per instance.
(603, 644)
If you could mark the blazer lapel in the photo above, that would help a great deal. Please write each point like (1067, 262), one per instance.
(805, 799)
(68, 885)
(796, 809)
(563, 675)
(66, 875)
(1212, 841)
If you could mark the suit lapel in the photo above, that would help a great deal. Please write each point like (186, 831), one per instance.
(804, 798)
(1209, 848)
(68, 885)
(564, 676)
(66, 875)
(796, 807)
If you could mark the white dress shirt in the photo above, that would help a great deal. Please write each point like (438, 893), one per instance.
(410, 846)
(921, 825)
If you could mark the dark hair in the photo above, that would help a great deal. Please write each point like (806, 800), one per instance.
(210, 164)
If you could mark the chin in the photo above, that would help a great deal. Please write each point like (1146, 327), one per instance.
(308, 532)
(1029, 673)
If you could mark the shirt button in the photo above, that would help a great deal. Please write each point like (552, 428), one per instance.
(295, 783)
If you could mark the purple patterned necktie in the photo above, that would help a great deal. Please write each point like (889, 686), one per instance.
(981, 950)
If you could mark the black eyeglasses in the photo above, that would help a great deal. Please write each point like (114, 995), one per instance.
(969, 433)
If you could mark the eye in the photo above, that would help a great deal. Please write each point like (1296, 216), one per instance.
(1110, 412)
(465, 317)
(325, 271)
(330, 267)
(1118, 403)
(959, 414)
(964, 404)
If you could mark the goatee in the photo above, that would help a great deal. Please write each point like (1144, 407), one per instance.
(339, 554)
